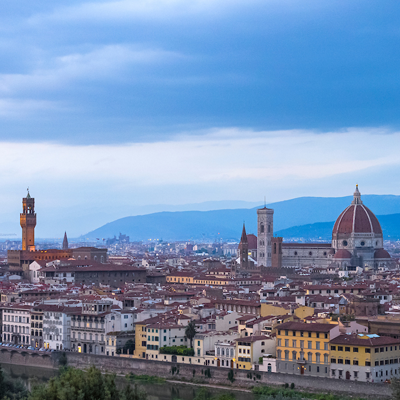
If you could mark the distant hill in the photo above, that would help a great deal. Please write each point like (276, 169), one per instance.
(227, 224)
(323, 230)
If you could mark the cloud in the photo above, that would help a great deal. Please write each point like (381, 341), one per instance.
(220, 156)
(107, 62)
(138, 9)
(15, 108)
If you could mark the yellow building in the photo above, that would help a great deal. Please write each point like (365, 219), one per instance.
(249, 349)
(200, 280)
(303, 349)
(365, 357)
(140, 340)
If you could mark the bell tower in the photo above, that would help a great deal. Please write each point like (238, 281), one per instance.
(243, 250)
(28, 222)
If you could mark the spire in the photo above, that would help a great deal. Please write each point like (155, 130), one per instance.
(243, 239)
(65, 242)
(28, 196)
(357, 197)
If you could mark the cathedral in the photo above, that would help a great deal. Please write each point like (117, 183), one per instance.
(357, 241)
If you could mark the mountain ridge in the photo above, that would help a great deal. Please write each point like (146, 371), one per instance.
(226, 224)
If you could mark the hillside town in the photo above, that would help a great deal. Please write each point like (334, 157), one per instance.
(327, 310)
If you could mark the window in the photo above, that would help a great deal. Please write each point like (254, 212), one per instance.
(355, 374)
(355, 362)
(294, 343)
(317, 345)
(367, 363)
(333, 348)
(347, 349)
(286, 342)
(310, 344)
(347, 362)
(340, 361)
(340, 348)
(355, 349)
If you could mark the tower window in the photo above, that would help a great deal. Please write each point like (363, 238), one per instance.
(344, 242)
(262, 228)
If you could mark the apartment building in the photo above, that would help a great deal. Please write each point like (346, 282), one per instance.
(365, 357)
(303, 349)
(249, 349)
(88, 326)
(56, 326)
(16, 324)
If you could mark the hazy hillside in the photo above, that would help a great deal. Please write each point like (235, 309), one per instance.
(227, 224)
(323, 230)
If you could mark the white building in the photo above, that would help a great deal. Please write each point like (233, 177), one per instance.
(16, 324)
(56, 327)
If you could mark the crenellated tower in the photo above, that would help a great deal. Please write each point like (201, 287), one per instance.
(28, 222)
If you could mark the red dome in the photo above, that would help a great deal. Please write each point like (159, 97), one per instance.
(357, 218)
(381, 253)
(252, 240)
(342, 253)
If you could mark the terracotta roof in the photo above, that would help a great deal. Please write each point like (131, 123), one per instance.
(300, 326)
(381, 253)
(357, 218)
(252, 240)
(342, 253)
(359, 341)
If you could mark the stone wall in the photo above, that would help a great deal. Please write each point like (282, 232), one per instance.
(30, 359)
(194, 373)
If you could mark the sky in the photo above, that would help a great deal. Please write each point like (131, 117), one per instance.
(115, 108)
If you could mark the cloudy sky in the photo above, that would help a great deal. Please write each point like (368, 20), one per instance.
(110, 106)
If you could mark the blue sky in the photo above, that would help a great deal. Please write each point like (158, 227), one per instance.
(108, 106)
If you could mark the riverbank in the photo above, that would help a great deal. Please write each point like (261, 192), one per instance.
(196, 374)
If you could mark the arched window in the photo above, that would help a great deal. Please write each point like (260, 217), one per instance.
(261, 228)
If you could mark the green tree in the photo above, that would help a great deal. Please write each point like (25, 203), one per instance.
(190, 332)
(74, 384)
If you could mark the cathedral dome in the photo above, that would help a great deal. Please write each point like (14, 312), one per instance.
(342, 253)
(381, 253)
(357, 218)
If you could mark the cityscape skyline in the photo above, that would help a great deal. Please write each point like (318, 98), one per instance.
(107, 107)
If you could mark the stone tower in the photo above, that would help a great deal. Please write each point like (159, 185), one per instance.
(265, 223)
(243, 250)
(276, 256)
(28, 222)
(65, 242)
